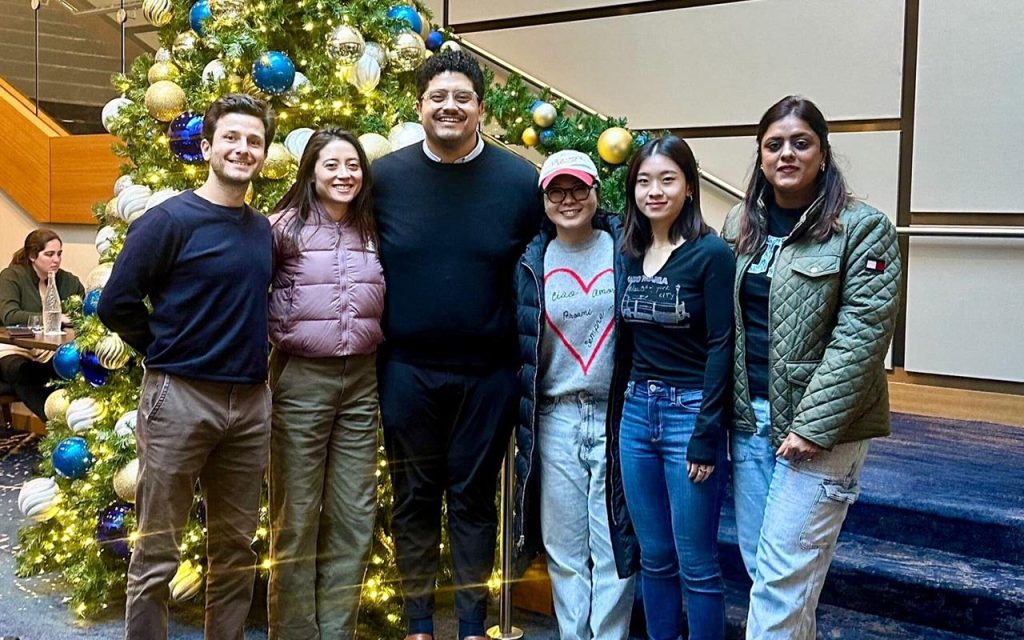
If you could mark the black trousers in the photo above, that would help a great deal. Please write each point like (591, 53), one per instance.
(445, 433)
(28, 378)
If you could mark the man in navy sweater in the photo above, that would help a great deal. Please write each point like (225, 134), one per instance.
(203, 260)
(453, 215)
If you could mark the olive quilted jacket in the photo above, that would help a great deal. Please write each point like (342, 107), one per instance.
(833, 307)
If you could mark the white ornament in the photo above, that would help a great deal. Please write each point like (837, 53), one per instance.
(296, 140)
(39, 499)
(378, 52)
(186, 582)
(293, 97)
(158, 197)
(83, 414)
(56, 405)
(365, 74)
(125, 425)
(214, 72)
(375, 145)
(111, 111)
(97, 278)
(405, 133)
(162, 55)
(132, 200)
(451, 45)
(105, 239)
(122, 183)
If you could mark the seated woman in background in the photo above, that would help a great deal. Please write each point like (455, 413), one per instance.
(22, 289)
(816, 295)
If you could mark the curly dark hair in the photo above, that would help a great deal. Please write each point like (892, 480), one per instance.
(455, 61)
(240, 103)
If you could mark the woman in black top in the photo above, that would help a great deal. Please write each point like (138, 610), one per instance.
(677, 309)
(22, 289)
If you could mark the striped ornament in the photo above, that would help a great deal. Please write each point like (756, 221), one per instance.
(38, 499)
(112, 352)
(83, 413)
(156, 12)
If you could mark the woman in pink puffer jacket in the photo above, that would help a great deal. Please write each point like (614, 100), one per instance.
(325, 308)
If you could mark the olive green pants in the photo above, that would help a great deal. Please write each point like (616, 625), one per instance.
(323, 455)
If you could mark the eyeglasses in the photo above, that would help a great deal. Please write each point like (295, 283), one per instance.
(440, 97)
(579, 193)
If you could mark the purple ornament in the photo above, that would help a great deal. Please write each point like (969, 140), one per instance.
(434, 40)
(112, 531)
(185, 134)
(93, 372)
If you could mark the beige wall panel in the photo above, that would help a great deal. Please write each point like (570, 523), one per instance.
(474, 10)
(720, 64)
(968, 130)
(79, 240)
(965, 308)
(870, 162)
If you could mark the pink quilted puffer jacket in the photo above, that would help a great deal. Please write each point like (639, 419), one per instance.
(327, 298)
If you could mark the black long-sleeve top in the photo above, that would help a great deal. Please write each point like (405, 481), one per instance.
(681, 319)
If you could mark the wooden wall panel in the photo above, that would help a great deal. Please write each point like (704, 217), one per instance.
(24, 170)
(82, 172)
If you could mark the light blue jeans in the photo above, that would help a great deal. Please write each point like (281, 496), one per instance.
(806, 506)
(676, 519)
(591, 601)
(753, 462)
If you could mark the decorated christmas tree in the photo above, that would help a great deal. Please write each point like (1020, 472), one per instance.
(341, 63)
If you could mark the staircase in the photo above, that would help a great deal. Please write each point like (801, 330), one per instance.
(934, 548)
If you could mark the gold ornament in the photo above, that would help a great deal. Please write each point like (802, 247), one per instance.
(163, 71)
(186, 41)
(230, 10)
(164, 100)
(112, 352)
(111, 211)
(424, 26)
(56, 404)
(157, 12)
(407, 51)
(97, 278)
(530, 137)
(345, 44)
(249, 193)
(614, 145)
(186, 582)
(544, 115)
(278, 163)
(126, 481)
(375, 145)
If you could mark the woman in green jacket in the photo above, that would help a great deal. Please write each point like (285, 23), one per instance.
(22, 289)
(816, 296)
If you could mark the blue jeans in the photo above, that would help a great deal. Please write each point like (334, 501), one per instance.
(753, 462)
(591, 601)
(676, 520)
(807, 504)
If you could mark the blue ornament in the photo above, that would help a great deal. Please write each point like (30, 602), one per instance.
(434, 40)
(547, 138)
(641, 139)
(90, 302)
(112, 531)
(66, 360)
(199, 16)
(185, 134)
(273, 72)
(408, 15)
(93, 372)
(71, 458)
(535, 104)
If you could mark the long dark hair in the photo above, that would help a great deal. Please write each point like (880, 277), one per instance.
(35, 242)
(830, 181)
(302, 194)
(637, 236)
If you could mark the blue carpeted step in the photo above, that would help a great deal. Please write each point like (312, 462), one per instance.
(919, 585)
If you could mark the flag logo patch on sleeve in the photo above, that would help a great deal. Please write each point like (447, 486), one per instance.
(876, 265)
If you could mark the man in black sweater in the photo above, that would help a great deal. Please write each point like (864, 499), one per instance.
(203, 260)
(453, 216)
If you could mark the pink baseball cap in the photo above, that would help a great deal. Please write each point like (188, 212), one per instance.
(568, 163)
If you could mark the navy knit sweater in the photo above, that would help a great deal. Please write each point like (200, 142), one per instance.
(450, 237)
(206, 271)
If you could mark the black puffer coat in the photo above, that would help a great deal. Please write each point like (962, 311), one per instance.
(529, 285)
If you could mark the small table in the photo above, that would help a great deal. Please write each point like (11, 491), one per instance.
(38, 340)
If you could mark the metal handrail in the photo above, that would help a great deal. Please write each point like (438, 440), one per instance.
(114, 8)
(960, 231)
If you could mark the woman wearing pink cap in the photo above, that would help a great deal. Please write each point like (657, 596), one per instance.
(569, 490)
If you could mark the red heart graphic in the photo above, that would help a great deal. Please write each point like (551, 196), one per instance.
(586, 287)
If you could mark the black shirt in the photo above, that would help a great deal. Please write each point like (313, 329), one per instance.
(206, 270)
(681, 321)
(450, 237)
(757, 282)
